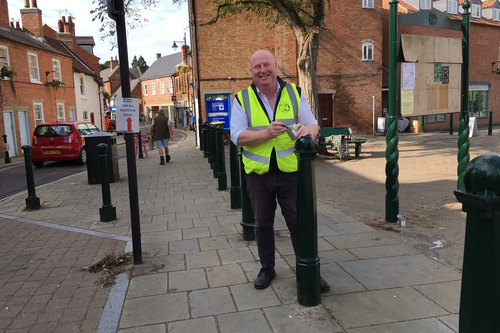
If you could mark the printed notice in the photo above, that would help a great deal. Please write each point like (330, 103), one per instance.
(127, 114)
(406, 102)
(408, 76)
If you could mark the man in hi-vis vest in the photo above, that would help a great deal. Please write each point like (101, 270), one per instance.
(258, 119)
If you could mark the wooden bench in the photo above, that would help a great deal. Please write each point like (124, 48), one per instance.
(339, 138)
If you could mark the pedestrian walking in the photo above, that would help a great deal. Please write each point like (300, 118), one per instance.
(161, 132)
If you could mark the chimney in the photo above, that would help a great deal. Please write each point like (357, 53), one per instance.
(17, 25)
(60, 26)
(113, 63)
(185, 52)
(64, 34)
(71, 26)
(32, 18)
(158, 55)
(4, 14)
(26, 3)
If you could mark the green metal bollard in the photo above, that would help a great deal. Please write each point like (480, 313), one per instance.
(308, 267)
(235, 177)
(204, 132)
(479, 306)
(221, 164)
(490, 124)
(107, 212)
(247, 219)
(32, 201)
(213, 152)
(211, 146)
(422, 124)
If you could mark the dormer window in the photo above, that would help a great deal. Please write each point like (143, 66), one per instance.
(452, 7)
(496, 14)
(367, 3)
(476, 11)
(425, 4)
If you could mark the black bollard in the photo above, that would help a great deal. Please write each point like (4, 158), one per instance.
(451, 124)
(213, 149)
(107, 212)
(235, 177)
(221, 164)
(308, 267)
(32, 201)
(490, 124)
(210, 146)
(204, 132)
(7, 157)
(247, 219)
(479, 306)
(139, 142)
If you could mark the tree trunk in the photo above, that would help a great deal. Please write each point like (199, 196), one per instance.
(307, 60)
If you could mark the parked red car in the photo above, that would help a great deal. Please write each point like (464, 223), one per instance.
(61, 141)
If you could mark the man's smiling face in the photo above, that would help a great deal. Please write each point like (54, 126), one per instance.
(263, 68)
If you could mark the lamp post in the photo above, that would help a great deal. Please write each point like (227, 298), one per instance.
(185, 54)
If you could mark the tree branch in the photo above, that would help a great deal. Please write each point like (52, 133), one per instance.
(236, 7)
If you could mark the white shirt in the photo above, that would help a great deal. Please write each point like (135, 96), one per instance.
(239, 120)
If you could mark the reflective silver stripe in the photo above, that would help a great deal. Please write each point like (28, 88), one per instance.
(288, 122)
(286, 152)
(293, 99)
(255, 157)
(246, 105)
(257, 128)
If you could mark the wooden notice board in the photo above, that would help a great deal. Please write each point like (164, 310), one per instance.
(430, 75)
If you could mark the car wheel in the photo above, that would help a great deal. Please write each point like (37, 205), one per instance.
(38, 164)
(83, 157)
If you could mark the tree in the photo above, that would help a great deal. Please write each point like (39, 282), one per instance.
(304, 17)
(141, 63)
(106, 65)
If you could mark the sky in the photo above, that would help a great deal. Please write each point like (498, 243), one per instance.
(165, 24)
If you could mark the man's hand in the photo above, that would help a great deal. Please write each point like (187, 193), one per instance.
(275, 129)
(301, 131)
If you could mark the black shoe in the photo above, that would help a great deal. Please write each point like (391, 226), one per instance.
(323, 285)
(162, 160)
(167, 158)
(264, 279)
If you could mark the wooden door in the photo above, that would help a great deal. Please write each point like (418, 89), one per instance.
(325, 110)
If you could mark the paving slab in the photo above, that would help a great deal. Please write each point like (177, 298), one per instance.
(244, 322)
(446, 294)
(424, 325)
(209, 302)
(205, 325)
(246, 297)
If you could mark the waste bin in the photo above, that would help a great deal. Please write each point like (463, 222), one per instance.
(93, 159)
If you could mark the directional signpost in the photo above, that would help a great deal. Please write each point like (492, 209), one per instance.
(127, 115)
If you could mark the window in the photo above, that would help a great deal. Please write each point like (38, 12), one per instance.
(38, 113)
(425, 4)
(452, 7)
(478, 104)
(435, 118)
(476, 11)
(367, 51)
(496, 14)
(153, 88)
(177, 84)
(56, 68)
(162, 87)
(106, 88)
(367, 3)
(4, 56)
(60, 112)
(85, 115)
(33, 66)
(145, 90)
(87, 48)
(82, 85)
(72, 114)
(171, 86)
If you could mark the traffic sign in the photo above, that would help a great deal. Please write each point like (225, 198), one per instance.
(127, 114)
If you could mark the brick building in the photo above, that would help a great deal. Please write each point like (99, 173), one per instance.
(36, 100)
(352, 60)
(165, 85)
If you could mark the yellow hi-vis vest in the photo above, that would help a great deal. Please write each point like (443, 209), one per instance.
(257, 159)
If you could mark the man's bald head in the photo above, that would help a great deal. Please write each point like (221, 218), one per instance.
(263, 68)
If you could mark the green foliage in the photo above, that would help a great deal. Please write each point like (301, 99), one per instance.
(133, 16)
(141, 63)
(56, 84)
(106, 65)
(183, 68)
(106, 96)
(9, 73)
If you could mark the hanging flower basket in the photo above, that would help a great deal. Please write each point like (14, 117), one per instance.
(497, 71)
(56, 83)
(183, 68)
(9, 74)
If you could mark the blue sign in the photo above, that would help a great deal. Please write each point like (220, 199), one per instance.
(112, 109)
(218, 109)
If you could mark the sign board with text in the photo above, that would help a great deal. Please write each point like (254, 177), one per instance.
(127, 114)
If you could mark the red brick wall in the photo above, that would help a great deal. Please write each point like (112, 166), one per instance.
(27, 92)
(4, 14)
(32, 20)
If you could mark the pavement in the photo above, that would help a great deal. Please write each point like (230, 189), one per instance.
(197, 272)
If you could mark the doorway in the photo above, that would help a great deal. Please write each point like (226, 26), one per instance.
(24, 127)
(325, 110)
(10, 131)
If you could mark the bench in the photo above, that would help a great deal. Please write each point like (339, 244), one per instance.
(339, 139)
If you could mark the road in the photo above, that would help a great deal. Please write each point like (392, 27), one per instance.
(13, 180)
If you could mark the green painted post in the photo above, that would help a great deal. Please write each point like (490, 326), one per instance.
(463, 127)
(210, 145)
(221, 164)
(247, 219)
(392, 152)
(308, 267)
(107, 212)
(204, 132)
(479, 306)
(451, 123)
(235, 177)
(490, 124)
(214, 154)
(32, 201)
(422, 124)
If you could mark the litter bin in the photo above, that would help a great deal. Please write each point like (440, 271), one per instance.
(93, 159)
